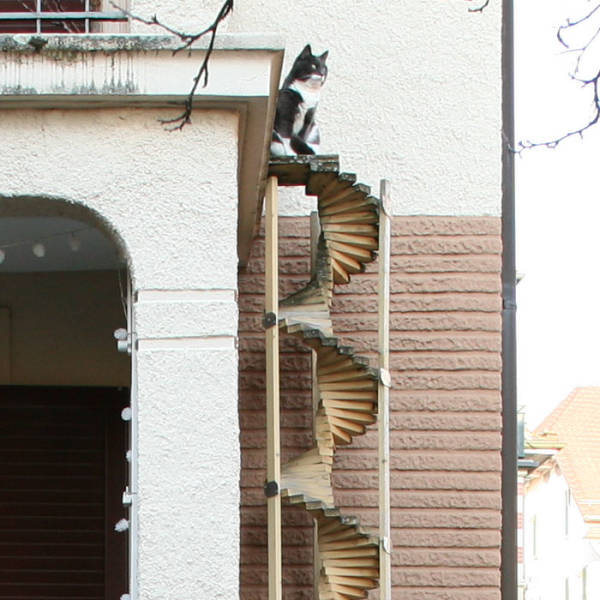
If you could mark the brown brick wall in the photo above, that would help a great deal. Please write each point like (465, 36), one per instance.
(446, 409)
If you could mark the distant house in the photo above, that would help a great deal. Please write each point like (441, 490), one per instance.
(561, 502)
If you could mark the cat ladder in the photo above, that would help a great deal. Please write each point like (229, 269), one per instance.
(348, 395)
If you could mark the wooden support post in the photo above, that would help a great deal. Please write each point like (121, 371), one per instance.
(272, 487)
(315, 232)
(385, 550)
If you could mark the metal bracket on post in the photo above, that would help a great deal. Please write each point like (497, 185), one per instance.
(386, 545)
(385, 377)
(271, 489)
(269, 320)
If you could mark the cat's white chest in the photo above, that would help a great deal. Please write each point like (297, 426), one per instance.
(310, 92)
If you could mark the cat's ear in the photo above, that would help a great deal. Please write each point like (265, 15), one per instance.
(306, 52)
(324, 56)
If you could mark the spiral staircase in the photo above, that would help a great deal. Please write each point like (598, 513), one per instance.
(348, 554)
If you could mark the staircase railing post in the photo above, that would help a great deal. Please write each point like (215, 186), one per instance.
(385, 550)
(273, 483)
(315, 232)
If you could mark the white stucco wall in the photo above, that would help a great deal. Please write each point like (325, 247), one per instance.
(173, 198)
(413, 95)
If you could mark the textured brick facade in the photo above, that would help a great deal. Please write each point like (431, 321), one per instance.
(445, 402)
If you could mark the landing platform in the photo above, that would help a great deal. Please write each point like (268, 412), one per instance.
(296, 170)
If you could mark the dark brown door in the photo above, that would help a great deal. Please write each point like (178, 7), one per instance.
(62, 474)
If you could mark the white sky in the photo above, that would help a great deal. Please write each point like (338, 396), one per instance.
(558, 216)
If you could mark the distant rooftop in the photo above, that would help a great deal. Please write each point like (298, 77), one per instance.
(576, 423)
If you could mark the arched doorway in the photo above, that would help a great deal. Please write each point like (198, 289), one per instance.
(63, 387)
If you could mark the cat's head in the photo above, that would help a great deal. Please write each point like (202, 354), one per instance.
(310, 68)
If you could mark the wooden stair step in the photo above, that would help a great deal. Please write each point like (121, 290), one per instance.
(351, 427)
(352, 416)
(343, 395)
(341, 436)
(353, 229)
(351, 385)
(359, 572)
(354, 373)
(345, 532)
(360, 241)
(361, 216)
(356, 252)
(354, 362)
(341, 194)
(351, 592)
(341, 182)
(355, 542)
(364, 583)
(351, 405)
(357, 192)
(353, 562)
(340, 275)
(318, 180)
(365, 551)
(350, 265)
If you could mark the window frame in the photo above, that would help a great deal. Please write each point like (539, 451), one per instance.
(41, 15)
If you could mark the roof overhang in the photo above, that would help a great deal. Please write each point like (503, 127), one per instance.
(107, 71)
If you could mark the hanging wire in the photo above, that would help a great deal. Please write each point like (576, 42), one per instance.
(122, 293)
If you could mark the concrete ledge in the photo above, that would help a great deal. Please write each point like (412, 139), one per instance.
(105, 71)
(110, 43)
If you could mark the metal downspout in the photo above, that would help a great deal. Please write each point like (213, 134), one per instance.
(509, 351)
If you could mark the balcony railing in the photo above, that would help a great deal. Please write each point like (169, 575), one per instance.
(54, 16)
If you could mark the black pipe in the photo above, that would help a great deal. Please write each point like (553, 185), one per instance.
(509, 582)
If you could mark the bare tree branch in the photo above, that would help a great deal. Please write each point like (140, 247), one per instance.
(187, 39)
(593, 82)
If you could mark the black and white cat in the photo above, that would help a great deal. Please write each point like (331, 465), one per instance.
(295, 130)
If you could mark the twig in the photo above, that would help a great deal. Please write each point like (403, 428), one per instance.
(527, 145)
(179, 122)
(481, 8)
